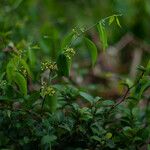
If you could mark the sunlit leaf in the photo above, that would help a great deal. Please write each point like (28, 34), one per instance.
(92, 50)
(111, 19)
(10, 70)
(118, 22)
(25, 66)
(21, 82)
(102, 35)
(86, 96)
(108, 135)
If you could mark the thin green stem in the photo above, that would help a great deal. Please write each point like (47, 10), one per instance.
(91, 27)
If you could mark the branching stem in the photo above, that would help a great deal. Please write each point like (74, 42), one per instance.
(91, 27)
(126, 93)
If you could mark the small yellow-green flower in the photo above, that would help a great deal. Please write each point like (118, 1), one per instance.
(52, 66)
(77, 31)
(50, 91)
(47, 90)
(69, 52)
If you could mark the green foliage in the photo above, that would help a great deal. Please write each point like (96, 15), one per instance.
(51, 101)
(21, 82)
(14, 76)
(111, 20)
(63, 65)
(66, 41)
(102, 35)
(118, 22)
(40, 110)
(93, 50)
(10, 69)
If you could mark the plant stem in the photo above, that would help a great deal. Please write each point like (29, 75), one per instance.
(91, 27)
(43, 101)
(126, 93)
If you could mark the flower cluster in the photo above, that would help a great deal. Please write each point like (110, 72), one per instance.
(77, 31)
(50, 91)
(19, 52)
(52, 66)
(69, 53)
(47, 90)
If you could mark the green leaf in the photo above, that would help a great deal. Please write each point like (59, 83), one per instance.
(66, 41)
(102, 35)
(148, 147)
(108, 135)
(66, 127)
(111, 19)
(44, 46)
(51, 101)
(10, 70)
(25, 65)
(48, 139)
(127, 131)
(21, 82)
(118, 22)
(86, 96)
(31, 57)
(63, 65)
(142, 86)
(96, 138)
(85, 114)
(93, 50)
(30, 99)
(110, 144)
(8, 113)
(107, 103)
(147, 69)
(2, 75)
(141, 68)
(128, 83)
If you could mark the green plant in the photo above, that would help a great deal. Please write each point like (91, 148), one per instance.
(60, 115)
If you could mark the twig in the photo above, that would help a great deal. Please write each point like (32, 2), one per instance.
(91, 27)
(43, 101)
(126, 93)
